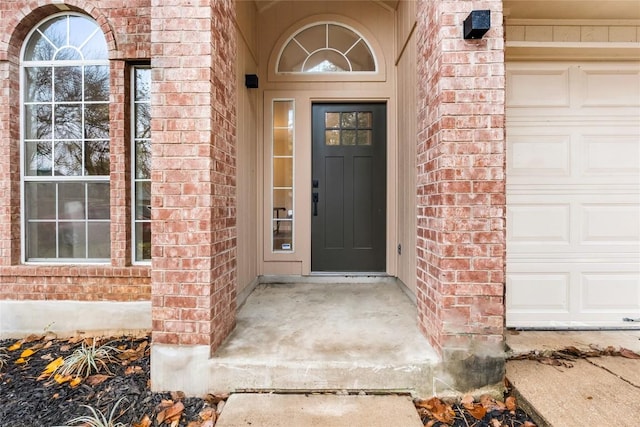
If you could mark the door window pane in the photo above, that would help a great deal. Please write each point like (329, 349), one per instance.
(348, 128)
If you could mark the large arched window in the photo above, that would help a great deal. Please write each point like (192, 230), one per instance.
(65, 136)
(326, 48)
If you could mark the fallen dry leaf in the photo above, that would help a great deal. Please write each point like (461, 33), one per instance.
(208, 414)
(130, 370)
(170, 411)
(440, 410)
(26, 353)
(144, 422)
(528, 424)
(31, 338)
(213, 398)
(495, 423)
(177, 395)
(15, 346)
(467, 400)
(175, 410)
(490, 404)
(61, 379)
(75, 340)
(511, 404)
(194, 424)
(625, 352)
(21, 361)
(75, 382)
(51, 368)
(475, 409)
(96, 379)
(132, 354)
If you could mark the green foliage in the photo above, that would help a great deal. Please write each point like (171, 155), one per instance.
(97, 418)
(87, 360)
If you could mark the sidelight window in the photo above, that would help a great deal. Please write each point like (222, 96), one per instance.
(282, 175)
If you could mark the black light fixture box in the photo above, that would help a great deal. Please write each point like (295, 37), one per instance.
(477, 24)
(251, 81)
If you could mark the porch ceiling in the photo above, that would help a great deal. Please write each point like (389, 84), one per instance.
(262, 5)
(571, 9)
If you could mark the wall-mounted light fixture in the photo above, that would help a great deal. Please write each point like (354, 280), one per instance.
(251, 81)
(477, 24)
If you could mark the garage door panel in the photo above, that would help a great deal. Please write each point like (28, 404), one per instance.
(536, 224)
(611, 155)
(572, 224)
(539, 292)
(610, 292)
(543, 87)
(539, 155)
(601, 86)
(610, 223)
(572, 294)
(570, 153)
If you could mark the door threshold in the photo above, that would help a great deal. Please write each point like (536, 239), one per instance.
(349, 273)
(324, 277)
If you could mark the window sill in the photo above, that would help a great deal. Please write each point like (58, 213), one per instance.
(93, 270)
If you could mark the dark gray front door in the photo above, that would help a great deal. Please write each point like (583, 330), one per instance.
(348, 223)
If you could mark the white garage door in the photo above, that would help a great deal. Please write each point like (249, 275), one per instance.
(573, 194)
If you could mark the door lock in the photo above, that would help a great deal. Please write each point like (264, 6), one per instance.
(314, 199)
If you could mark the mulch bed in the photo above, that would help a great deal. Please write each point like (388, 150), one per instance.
(29, 398)
(29, 402)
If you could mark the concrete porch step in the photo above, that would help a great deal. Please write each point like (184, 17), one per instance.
(276, 410)
(325, 336)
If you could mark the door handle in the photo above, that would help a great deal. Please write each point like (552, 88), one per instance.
(314, 199)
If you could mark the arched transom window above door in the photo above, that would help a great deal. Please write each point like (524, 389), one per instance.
(326, 48)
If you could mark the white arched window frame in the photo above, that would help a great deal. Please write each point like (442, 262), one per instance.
(65, 150)
(361, 39)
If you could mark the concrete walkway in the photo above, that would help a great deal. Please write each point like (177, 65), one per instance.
(318, 410)
(594, 391)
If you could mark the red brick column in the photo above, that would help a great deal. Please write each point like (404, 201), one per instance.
(461, 190)
(193, 177)
(9, 163)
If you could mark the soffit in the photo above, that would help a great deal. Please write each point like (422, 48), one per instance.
(572, 9)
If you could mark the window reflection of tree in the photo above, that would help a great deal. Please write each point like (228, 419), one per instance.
(80, 147)
(67, 134)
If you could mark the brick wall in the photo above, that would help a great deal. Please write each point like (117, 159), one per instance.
(460, 177)
(193, 175)
(116, 282)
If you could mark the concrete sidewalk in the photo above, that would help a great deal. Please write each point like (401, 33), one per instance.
(594, 391)
(318, 410)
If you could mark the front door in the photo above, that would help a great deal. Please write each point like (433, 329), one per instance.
(348, 223)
